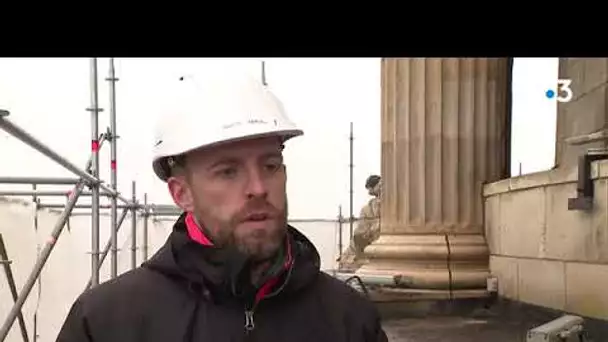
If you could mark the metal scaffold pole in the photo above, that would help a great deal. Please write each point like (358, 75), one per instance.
(134, 229)
(86, 206)
(6, 263)
(95, 172)
(113, 172)
(39, 180)
(340, 243)
(351, 219)
(264, 83)
(45, 193)
(145, 224)
(35, 203)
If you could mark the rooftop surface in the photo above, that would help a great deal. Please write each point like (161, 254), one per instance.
(472, 321)
(453, 329)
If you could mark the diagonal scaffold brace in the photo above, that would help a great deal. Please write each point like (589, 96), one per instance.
(85, 178)
(6, 263)
(44, 255)
(104, 254)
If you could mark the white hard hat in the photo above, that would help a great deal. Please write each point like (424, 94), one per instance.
(216, 110)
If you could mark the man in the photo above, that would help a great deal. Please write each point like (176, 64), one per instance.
(232, 268)
(368, 228)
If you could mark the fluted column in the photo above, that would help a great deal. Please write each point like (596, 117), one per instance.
(444, 132)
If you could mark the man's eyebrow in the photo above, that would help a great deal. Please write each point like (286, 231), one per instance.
(234, 160)
(274, 154)
(223, 161)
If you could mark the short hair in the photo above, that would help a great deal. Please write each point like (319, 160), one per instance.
(372, 181)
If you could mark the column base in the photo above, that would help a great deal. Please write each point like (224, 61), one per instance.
(431, 261)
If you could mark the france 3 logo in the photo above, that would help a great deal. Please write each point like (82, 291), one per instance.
(563, 93)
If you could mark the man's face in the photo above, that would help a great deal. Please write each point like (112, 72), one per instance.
(237, 192)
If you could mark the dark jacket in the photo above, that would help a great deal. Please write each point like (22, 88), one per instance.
(186, 292)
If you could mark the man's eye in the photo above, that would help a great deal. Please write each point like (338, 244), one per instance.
(272, 167)
(227, 172)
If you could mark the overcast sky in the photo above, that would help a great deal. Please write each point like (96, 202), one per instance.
(534, 115)
(48, 98)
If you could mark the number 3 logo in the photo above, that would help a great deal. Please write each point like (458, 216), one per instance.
(564, 93)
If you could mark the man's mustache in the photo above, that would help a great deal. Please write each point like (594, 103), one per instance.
(256, 207)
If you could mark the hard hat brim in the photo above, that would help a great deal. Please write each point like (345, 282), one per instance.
(162, 170)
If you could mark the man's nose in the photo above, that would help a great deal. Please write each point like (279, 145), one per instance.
(256, 184)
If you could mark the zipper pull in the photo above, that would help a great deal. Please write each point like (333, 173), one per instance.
(249, 324)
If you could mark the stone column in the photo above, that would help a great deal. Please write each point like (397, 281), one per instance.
(586, 115)
(444, 134)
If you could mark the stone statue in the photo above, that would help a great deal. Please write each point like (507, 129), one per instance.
(367, 230)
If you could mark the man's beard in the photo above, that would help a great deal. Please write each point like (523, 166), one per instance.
(257, 244)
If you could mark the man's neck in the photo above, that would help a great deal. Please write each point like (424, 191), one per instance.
(257, 271)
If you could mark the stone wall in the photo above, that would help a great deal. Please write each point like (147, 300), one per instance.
(541, 252)
(587, 112)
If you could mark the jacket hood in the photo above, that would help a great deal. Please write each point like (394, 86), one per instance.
(218, 270)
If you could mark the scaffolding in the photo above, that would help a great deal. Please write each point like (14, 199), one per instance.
(87, 177)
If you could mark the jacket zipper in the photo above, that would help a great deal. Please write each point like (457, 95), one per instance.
(249, 312)
(249, 322)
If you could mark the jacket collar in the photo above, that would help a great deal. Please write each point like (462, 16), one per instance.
(192, 257)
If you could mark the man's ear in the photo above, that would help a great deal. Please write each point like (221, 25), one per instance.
(181, 193)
